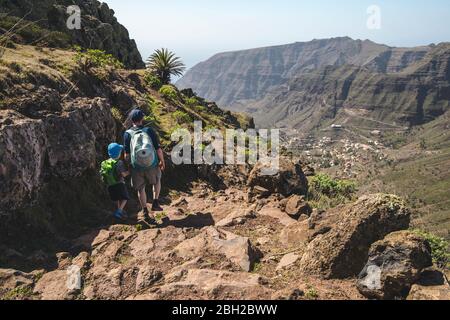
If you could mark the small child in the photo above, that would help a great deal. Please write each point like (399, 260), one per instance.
(113, 172)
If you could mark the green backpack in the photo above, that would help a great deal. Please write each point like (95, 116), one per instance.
(108, 172)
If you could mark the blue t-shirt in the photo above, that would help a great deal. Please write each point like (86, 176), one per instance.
(152, 134)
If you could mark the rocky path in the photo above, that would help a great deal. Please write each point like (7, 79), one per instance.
(207, 245)
(234, 244)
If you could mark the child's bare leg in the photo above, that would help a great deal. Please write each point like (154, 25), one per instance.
(122, 204)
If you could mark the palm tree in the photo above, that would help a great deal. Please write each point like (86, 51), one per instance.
(164, 64)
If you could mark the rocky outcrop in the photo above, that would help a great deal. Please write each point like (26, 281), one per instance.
(237, 249)
(395, 264)
(276, 213)
(236, 218)
(54, 286)
(99, 27)
(13, 280)
(432, 285)
(211, 284)
(63, 146)
(296, 207)
(289, 180)
(287, 261)
(342, 251)
(181, 259)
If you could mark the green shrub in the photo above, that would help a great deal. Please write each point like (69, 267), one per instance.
(175, 128)
(93, 58)
(330, 187)
(33, 34)
(152, 81)
(311, 294)
(153, 106)
(182, 117)
(169, 92)
(151, 118)
(57, 39)
(192, 102)
(117, 114)
(423, 144)
(201, 108)
(19, 293)
(439, 248)
(325, 192)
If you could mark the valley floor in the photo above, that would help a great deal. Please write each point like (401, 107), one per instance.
(414, 164)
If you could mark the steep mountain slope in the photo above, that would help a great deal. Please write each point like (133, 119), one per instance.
(234, 77)
(45, 22)
(415, 95)
(420, 172)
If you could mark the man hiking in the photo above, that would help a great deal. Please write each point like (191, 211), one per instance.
(144, 153)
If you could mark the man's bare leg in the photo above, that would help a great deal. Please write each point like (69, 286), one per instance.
(142, 195)
(157, 190)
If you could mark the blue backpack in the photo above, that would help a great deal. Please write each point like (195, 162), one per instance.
(143, 153)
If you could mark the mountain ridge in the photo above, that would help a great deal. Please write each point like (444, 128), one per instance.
(246, 80)
(44, 22)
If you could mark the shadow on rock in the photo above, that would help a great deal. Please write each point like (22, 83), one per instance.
(197, 221)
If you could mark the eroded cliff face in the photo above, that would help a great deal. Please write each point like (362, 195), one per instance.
(314, 84)
(355, 96)
(99, 27)
(234, 77)
(65, 146)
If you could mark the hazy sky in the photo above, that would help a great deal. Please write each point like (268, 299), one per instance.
(197, 29)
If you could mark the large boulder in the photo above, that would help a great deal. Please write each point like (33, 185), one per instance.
(54, 286)
(62, 145)
(237, 249)
(209, 284)
(296, 206)
(304, 231)
(432, 285)
(236, 218)
(11, 279)
(289, 180)
(394, 265)
(342, 250)
(276, 213)
(295, 234)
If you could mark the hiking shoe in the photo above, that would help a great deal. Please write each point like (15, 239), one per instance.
(151, 221)
(119, 214)
(156, 206)
(148, 217)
